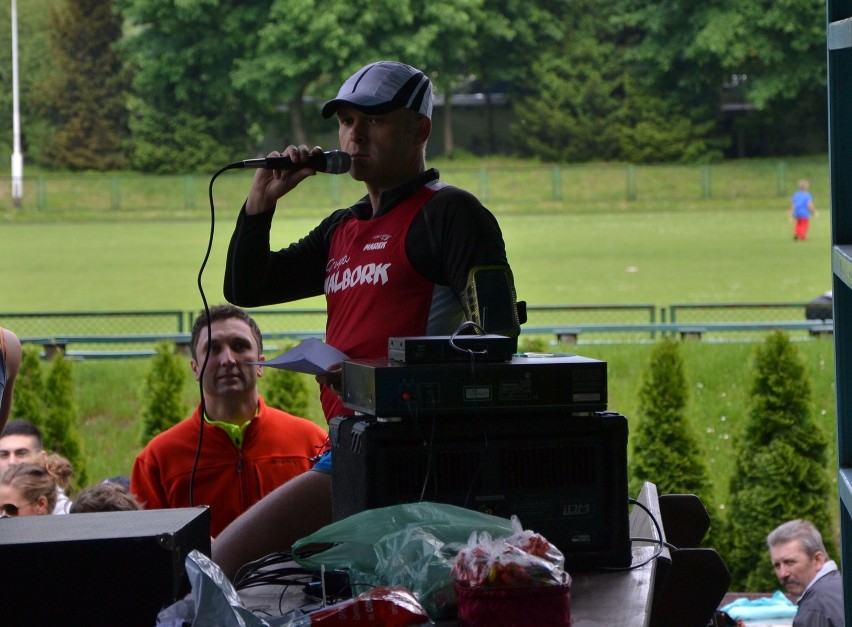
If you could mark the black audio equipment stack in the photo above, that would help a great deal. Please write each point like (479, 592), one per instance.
(105, 568)
(390, 388)
(528, 436)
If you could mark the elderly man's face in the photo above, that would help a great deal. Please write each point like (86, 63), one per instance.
(794, 569)
(17, 449)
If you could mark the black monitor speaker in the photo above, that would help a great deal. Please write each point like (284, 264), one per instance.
(110, 568)
(563, 474)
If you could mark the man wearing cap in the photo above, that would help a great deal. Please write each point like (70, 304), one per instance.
(397, 263)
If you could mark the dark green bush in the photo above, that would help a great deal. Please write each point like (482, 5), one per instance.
(164, 384)
(60, 433)
(781, 470)
(286, 390)
(30, 404)
(665, 450)
(49, 405)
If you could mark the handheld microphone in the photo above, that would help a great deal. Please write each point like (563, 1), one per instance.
(331, 162)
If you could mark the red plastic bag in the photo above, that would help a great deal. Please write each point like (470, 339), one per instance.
(518, 581)
(386, 606)
(525, 558)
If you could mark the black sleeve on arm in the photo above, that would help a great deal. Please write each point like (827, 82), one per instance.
(462, 235)
(453, 236)
(256, 275)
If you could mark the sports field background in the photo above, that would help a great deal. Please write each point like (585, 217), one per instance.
(661, 258)
(695, 250)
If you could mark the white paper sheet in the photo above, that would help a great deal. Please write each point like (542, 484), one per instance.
(312, 356)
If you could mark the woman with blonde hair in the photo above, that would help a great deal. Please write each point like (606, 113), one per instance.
(31, 489)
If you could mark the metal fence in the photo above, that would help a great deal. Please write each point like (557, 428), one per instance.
(741, 314)
(137, 333)
(611, 184)
(45, 324)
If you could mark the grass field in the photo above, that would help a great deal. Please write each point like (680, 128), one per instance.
(673, 250)
(691, 234)
(610, 257)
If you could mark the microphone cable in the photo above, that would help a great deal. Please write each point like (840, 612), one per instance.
(203, 369)
(332, 162)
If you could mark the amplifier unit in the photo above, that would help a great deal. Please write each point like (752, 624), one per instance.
(444, 348)
(563, 475)
(387, 388)
(105, 568)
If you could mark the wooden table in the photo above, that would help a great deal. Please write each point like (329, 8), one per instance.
(598, 598)
(614, 598)
(624, 597)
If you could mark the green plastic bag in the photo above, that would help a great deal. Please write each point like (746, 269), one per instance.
(411, 545)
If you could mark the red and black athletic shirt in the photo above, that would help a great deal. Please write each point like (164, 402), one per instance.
(433, 235)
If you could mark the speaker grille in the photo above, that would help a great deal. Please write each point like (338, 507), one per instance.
(441, 471)
(547, 467)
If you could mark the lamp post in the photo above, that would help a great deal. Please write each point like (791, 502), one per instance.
(17, 157)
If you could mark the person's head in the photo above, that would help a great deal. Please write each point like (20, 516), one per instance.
(797, 553)
(104, 497)
(384, 112)
(27, 489)
(19, 442)
(122, 480)
(804, 185)
(235, 340)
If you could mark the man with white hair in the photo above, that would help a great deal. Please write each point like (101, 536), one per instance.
(803, 568)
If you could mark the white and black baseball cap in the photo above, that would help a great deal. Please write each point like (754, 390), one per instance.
(382, 87)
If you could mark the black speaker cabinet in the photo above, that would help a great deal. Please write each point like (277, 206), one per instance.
(110, 568)
(564, 475)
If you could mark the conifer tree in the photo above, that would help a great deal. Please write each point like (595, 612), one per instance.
(30, 404)
(85, 97)
(164, 384)
(665, 450)
(49, 405)
(60, 433)
(286, 390)
(781, 469)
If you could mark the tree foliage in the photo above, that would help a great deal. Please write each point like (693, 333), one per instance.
(665, 450)
(48, 403)
(35, 63)
(571, 94)
(585, 99)
(286, 390)
(30, 404)
(689, 54)
(164, 384)
(514, 34)
(781, 470)
(653, 129)
(60, 428)
(84, 98)
(325, 42)
(213, 80)
(184, 102)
